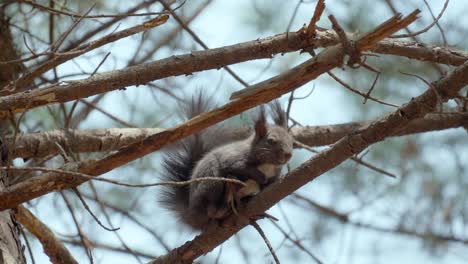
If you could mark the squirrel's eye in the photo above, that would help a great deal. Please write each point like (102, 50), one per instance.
(271, 141)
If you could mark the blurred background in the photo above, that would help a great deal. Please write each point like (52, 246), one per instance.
(351, 214)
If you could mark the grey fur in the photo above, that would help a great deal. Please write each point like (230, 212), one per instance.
(259, 157)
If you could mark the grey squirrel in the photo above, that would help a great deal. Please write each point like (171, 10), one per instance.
(256, 160)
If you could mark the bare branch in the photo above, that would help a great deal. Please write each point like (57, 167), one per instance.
(260, 93)
(42, 144)
(53, 247)
(316, 17)
(365, 95)
(426, 28)
(199, 41)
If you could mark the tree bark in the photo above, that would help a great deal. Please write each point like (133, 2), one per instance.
(10, 244)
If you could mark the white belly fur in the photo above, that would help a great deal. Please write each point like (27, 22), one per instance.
(268, 169)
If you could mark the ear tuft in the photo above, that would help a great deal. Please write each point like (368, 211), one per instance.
(278, 114)
(199, 103)
(260, 124)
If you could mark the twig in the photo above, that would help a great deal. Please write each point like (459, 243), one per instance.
(316, 17)
(60, 58)
(348, 46)
(106, 215)
(55, 46)
(290, 101)
(439, 98)
(89, 177)
(28, 245)
(106, 113)
(307, 95)
(110, 248)
(373, 83)
(437, 23)
(167, 38)
(199, 41)
(291, 20)
(297, 243)
(347, 86)
(426, 28)
(125, 212)
(267, 242)
(400, 230)
(357, 160)
(83, 238)
(70, 113)
(105, 25)
(73, 15)
(83, 202)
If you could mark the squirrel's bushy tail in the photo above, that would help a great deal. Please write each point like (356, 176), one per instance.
(179, 161)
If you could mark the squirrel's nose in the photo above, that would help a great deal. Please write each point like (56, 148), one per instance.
(287, 156)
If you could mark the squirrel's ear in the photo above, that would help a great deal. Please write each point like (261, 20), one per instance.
(279, 116)
(260, 124)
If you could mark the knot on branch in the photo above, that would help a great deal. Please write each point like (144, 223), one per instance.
(353, 53)
(349, 46)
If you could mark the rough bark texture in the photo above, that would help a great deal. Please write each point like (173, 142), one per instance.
(212, 59)
(262, 92)
(10, 245)
(43, 144)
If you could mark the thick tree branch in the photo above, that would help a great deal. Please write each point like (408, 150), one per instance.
(38, 145)
(329, 134)
(10, 243)
(212, 59)
(260, 93)
(326, 160)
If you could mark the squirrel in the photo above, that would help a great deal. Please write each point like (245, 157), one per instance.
(256, 160)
